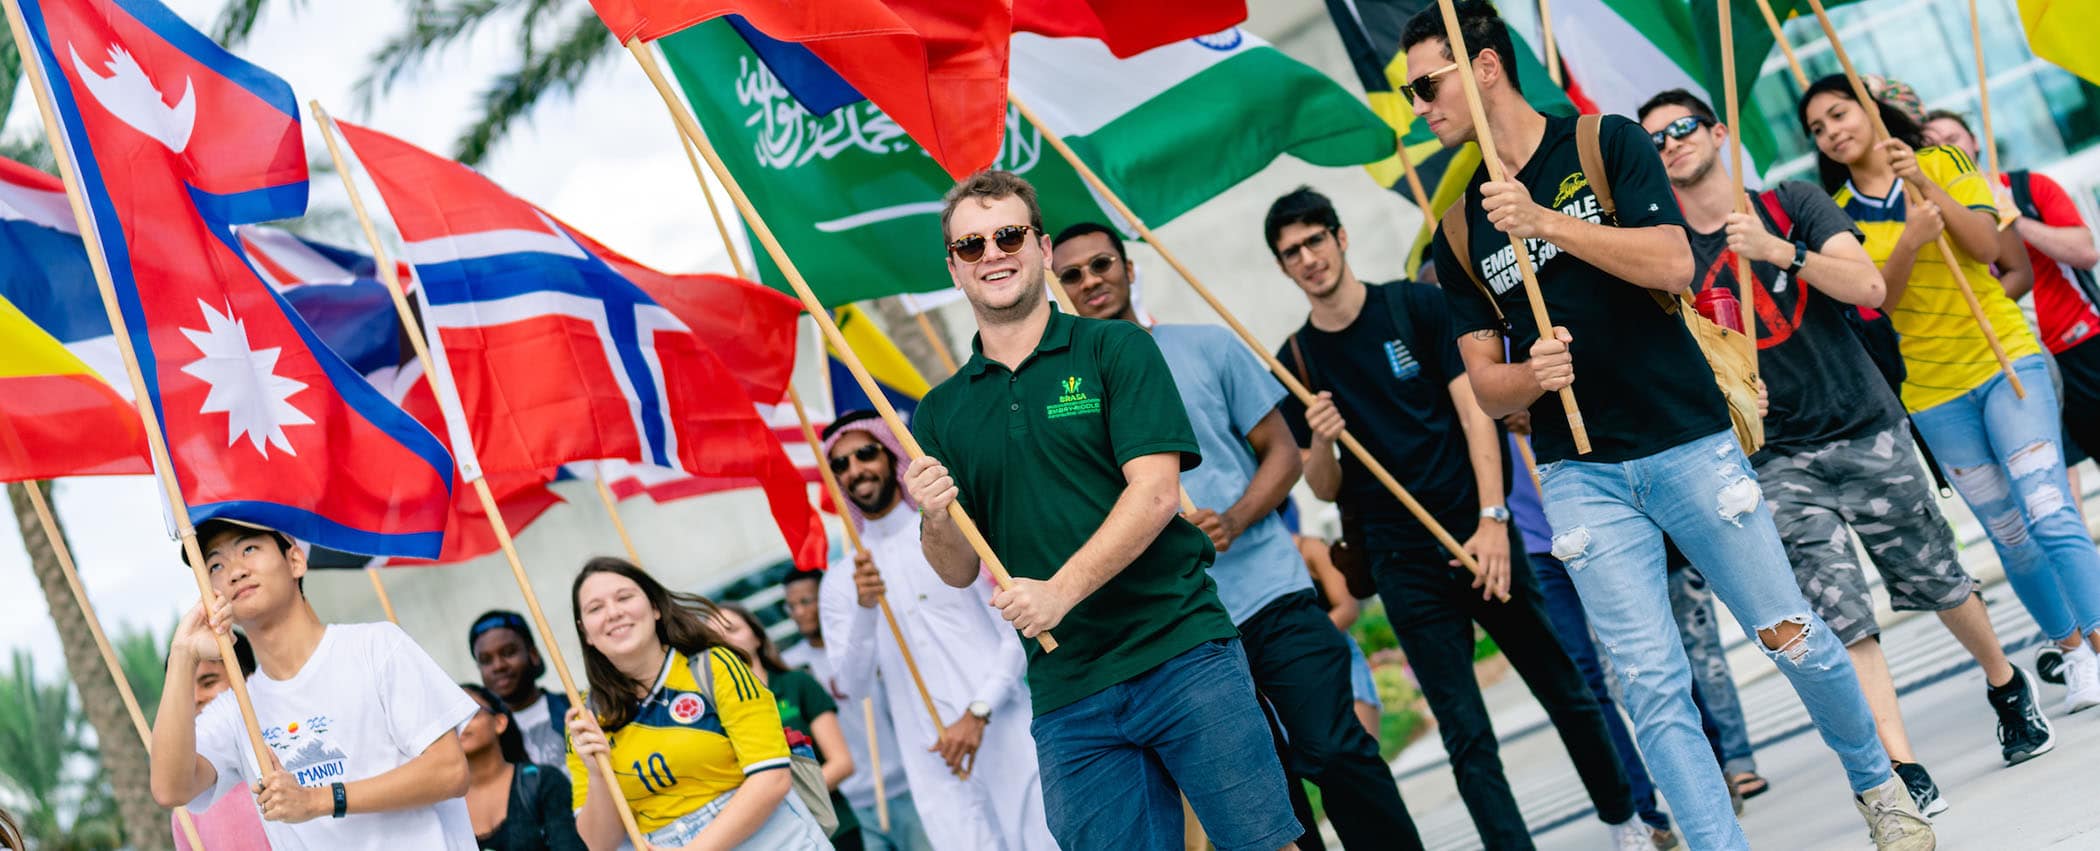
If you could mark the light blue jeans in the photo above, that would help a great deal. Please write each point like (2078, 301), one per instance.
(1609, 520)
(2005, 457)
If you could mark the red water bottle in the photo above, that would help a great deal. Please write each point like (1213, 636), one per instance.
(1718, 303)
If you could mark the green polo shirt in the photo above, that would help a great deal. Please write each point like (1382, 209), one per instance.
(1037, 455)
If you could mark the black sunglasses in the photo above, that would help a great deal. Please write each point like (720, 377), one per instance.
(970, 248)
(1424, 87)
(1100, 265)
(1678, 129)
(867, 452)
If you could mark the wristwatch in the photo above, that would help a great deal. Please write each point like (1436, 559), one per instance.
(1800, 258)
(980, 710)
(1498, 513)
(342, 801)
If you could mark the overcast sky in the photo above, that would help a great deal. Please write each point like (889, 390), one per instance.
(605, 162)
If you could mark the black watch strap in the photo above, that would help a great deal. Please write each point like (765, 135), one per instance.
(1800, 259)
(342, 801)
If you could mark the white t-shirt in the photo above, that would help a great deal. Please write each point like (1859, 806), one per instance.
(368, 701)
(545, 743)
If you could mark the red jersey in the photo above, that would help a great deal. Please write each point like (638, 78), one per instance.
(2066, 316)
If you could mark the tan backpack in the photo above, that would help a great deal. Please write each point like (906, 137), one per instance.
(1727, 352)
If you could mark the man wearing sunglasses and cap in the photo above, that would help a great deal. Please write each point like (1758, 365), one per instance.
(511, 668)
(1065, 439)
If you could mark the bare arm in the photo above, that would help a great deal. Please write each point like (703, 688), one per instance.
(2015, 273)
(1843, 271)
(1151, 498)
(1656, 258)
(1975, 232)
(2071, 245)
(1489, 544)
(940, 538)
(1921, 227)
(439, 773)
(748, 809)
(1277, 469)
(177, 774)
(1500, 388)
(831, 742)
(1342, 606)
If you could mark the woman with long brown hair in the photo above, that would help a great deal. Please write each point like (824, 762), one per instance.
(700, 755)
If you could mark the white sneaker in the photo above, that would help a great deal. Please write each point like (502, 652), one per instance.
(1893, 820)
(1631, 835)
(2081, 679)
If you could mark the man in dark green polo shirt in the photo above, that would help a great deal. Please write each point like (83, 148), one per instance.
(1065, 439)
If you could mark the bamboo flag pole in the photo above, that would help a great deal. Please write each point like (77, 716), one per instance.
(385, 603)
(1947, 255)
(1492, 161)
(1793, 63)
(1414, 184)
(882, 796)
(102, 645)
(1983, 95)
(690, 126)
(1552, 47)
(156, 441)
(463, 449)
(612, 510)
(1284, 374)
(838, 498)
(1743, 279)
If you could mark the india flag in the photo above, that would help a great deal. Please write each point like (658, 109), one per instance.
(1176, 125)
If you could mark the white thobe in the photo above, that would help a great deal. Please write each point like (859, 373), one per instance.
(966, 653)
(859, 788)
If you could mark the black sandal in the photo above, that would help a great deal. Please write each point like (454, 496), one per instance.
(1749, 784)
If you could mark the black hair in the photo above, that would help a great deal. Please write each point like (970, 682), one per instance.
(1083, 228)
(215, 526)
(1950, 115)
(495, 619)
(243, 655)
(1301, 206)
(847, 418)
(1678, 97)
(510, 742)
(1831, 173)
(767, 655)
(1478, 22)
(799, 575)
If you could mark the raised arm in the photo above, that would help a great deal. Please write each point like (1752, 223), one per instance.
(177, 773)
(1657, 257)
(929, 484)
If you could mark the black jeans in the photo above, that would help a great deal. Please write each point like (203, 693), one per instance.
(1433, 609)
(1300, 664)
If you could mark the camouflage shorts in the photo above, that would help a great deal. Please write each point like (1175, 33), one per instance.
(1876, 486)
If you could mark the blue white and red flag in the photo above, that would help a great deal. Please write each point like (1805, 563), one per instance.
(177, 142)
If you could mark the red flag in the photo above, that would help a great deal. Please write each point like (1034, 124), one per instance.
(1128, 27)
(936, 67)
(521, 497)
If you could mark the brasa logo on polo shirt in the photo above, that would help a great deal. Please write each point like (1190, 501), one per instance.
(1073, 401)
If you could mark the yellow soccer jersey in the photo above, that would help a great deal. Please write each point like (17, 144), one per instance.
(1943, 350)
(684, 749)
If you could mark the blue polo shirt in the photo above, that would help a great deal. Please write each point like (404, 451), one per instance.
(1227, 393)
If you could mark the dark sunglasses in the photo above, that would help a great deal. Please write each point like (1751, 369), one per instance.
(970, 249)
(867, 452)
(1099, 266)
(1678, 129)
(1424, 87)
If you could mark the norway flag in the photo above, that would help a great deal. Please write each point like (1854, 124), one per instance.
(559, 357)
(177, 142)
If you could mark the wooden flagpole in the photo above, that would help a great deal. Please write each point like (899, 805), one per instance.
(933, 338)
(612, 510)
(102, 645)
(1881, 131)
(1492, 161)
(1743, 279)
(1414, 183)
(156, 441)
(446, 399)
(1793, 63)
(1983, 95)
(1531, 464)
(385, 603)
(1283, 373)
(882, 796)
(1552, 47)
(690, 127)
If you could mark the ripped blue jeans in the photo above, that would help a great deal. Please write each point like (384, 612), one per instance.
(2005, 456)
(1609, 521)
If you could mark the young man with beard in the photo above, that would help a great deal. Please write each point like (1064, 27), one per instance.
(975, 777)
(1382, 357)
(800, 595)
(1664, 458)
(1066, 440)
(362, 726)
(511, 667)
(1838, 458)
(1300, 662)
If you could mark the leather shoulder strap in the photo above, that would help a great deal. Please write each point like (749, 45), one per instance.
(1456, 232)
(1589, 149)
(1298, 360)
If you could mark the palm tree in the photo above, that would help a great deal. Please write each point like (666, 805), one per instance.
(559, 43)
(42, 736)
(121, 755)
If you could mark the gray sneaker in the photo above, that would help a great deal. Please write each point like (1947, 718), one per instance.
(1893, 820)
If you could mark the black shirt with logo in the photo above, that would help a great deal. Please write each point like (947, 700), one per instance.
(1823, 386)
(1391, 384)
(1637, 396)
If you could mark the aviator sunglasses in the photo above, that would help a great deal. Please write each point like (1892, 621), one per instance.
(1678, 129)
(1100, 265)
(867, 452)
(970, 248)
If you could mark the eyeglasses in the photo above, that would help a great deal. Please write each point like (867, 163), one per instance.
(867, 452)
(1099, 266)
(970, 248)
(1309, 244)
(1678, 129)
(1424, 87)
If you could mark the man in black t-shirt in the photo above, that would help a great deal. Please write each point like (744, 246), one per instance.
(1838, 453)
(1665, 460)
(1383, 357)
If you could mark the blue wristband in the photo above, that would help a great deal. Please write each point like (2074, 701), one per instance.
(342, 802)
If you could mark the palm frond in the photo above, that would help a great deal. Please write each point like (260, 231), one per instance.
(30, 150)
(535, 13)
(237, 21)
(10, 77)
(429, 30)
(560, 70)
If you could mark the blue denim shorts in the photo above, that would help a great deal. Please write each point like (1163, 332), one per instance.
(1363, 687)
(790, 828)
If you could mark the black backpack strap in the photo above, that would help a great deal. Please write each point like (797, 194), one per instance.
(2021, 183)
(525, 796)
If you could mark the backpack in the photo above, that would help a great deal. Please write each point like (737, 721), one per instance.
(808, 772)
(1727, 353)
(2023, 198)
